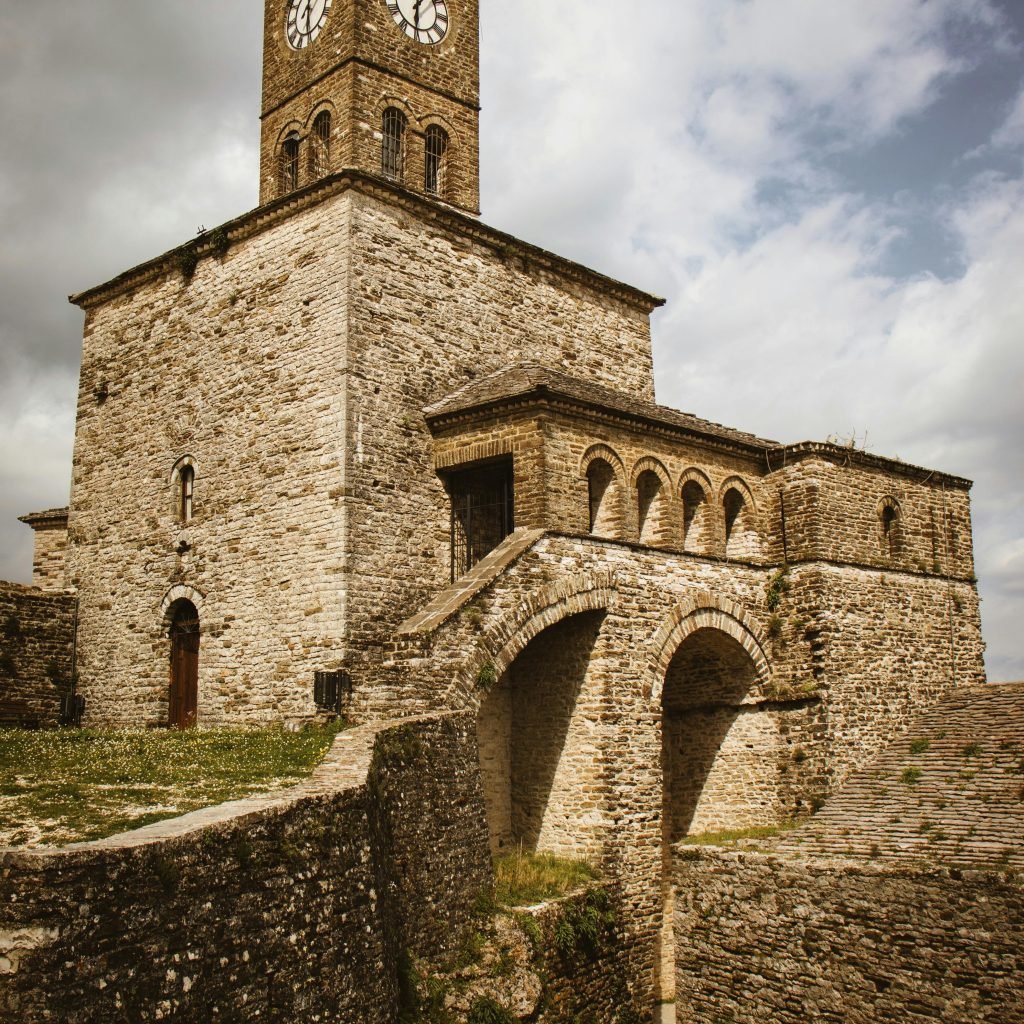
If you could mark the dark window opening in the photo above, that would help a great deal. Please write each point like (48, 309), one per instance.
(693, 498)
(733, 506)
(320, 151)
(648, 493)
(186, 487)
(482, 513)
(393, 144)
(890, 521)
(435, 162)
(290, 164)
(600, 477)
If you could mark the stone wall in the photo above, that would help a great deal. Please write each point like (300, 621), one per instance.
(790, 940)
(432, 311)
(50, 547)
(774, 727)
(292, 906)
(37, 630)
(800, 503)
(834, 512)
(291, 369)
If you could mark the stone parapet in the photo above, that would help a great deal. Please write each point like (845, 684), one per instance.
(295, 906)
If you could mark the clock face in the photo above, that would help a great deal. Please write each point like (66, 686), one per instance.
(425, 21)
(305, 20)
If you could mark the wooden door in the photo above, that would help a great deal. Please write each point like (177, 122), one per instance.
(184, 696)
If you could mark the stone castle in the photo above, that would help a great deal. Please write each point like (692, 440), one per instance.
(356, 452)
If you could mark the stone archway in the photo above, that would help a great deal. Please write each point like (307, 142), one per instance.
(707, 672)
(538, 734)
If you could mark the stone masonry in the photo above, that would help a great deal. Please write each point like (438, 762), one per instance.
(358, 432)
(901, 900)
(37, 634)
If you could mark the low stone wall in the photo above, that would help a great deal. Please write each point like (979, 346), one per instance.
(588, 973)
(36, 643)
(789, 940)
(289, 907)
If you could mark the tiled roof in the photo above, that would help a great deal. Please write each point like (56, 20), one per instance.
(949, 790)
(534, 380)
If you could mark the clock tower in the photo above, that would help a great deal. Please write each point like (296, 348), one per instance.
(388, 87)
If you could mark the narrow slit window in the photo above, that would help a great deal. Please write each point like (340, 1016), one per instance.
(393, 144)
(436, 160)
(186, 488)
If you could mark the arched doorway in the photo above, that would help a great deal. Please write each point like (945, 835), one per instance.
(539, 752)
(183, 700)
(720, 748)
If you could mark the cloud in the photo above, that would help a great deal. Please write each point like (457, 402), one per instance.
(1011, 133)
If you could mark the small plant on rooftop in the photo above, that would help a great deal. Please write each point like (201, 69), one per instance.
(218, 239)
(186, 260)
(971, 750)
(910, 776)
(919, 746)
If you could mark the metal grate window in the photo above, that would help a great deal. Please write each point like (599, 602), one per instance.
(329, 688)
(320, 150)
(289, 171)
(482, 513)
(435, 162)
(392, 154)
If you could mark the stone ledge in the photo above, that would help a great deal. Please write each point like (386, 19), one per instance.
(463, 590)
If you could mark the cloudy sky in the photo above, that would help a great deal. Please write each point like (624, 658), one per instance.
(829, 193)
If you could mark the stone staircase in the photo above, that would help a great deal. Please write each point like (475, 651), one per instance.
(950, 790)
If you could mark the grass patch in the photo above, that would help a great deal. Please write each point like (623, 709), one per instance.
(522, 878)
(67, 786)
(911, 776)
(919, 746)
(734, 835)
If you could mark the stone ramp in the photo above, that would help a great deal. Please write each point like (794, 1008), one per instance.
(950, 790)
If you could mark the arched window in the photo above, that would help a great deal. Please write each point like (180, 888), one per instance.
(732, 505)
(435, 160)
(392, 153)
(600, 480)
(186, 488)
(648, 504)
(320, 146)
(694, 511)
(289, 164)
